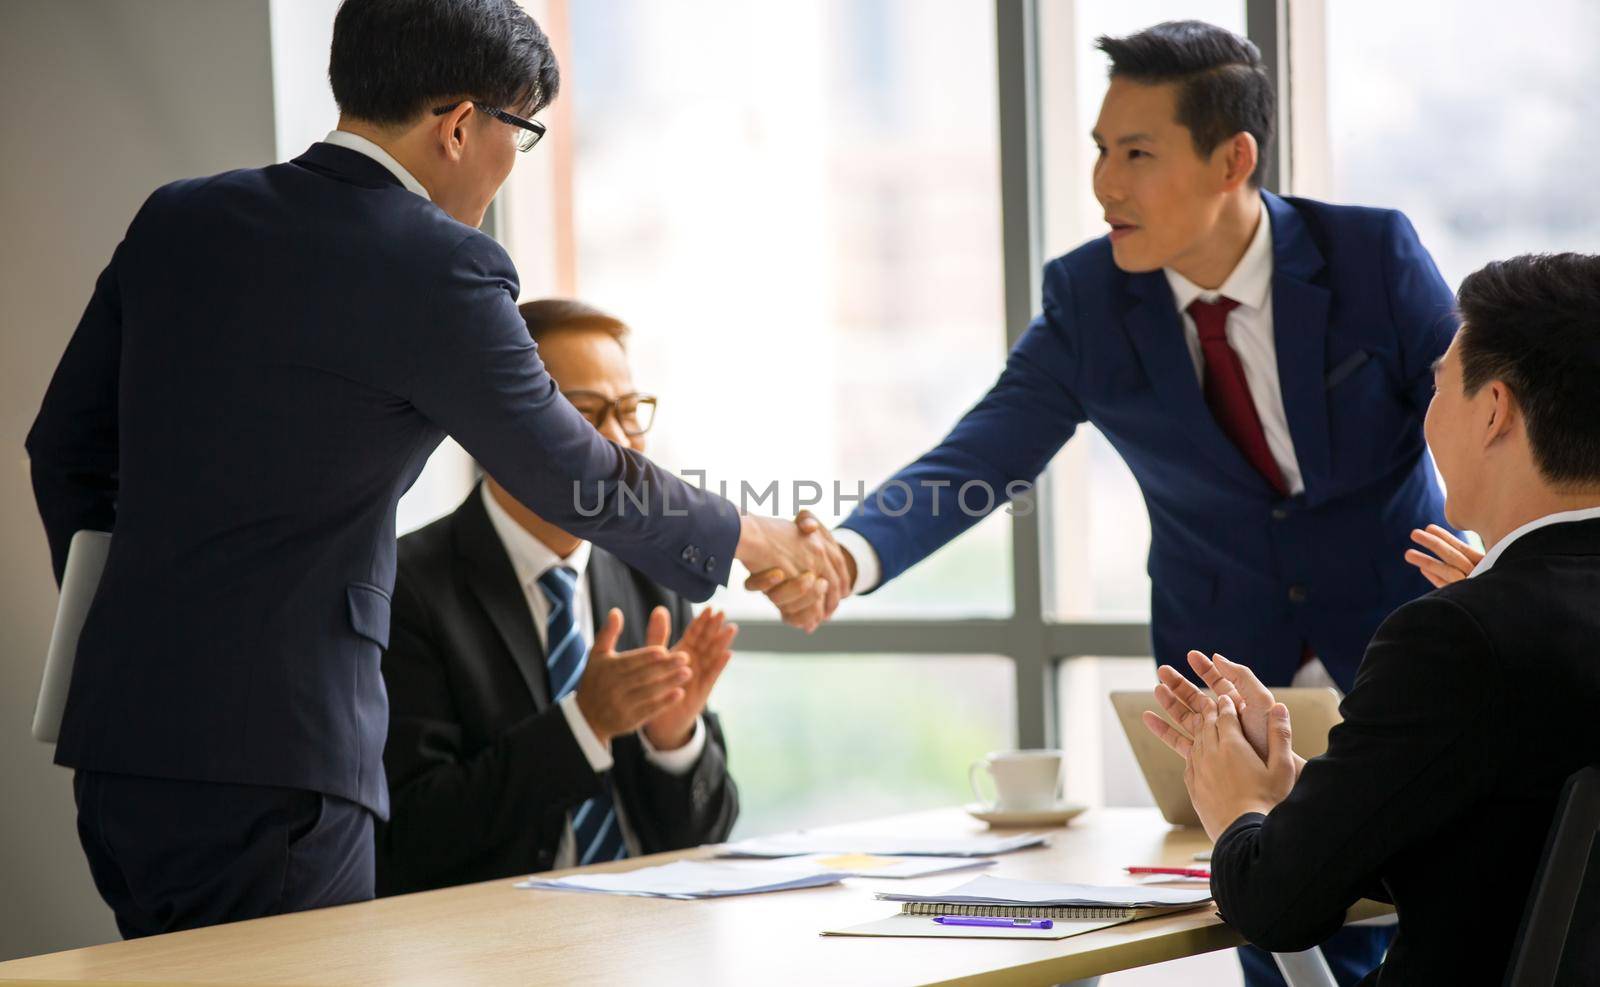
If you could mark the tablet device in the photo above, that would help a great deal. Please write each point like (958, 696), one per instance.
(86, 560)
(1312, 713)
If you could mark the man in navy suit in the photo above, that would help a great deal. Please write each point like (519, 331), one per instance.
(263, 369)
(1261, 363)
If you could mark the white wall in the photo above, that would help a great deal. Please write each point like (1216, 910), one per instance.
(106, 100)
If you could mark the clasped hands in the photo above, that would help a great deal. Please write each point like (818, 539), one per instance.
(798, 565)
(1235, 743)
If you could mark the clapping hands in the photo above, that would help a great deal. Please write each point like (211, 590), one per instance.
(1237, 746)
(708, 643)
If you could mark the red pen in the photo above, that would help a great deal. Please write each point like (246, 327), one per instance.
(1175, 871)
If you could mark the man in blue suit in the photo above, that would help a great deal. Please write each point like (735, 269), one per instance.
(263, 369)
(1262, 364)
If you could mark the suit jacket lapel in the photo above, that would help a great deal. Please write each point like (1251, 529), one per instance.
(494, 582)
(610, 585)
(1158, 337)
(1300, 331)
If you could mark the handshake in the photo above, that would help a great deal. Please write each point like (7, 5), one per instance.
(798, 565)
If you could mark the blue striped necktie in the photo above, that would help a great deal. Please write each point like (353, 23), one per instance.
(596, 834)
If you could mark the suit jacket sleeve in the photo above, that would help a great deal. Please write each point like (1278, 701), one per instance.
(477, 374)
(1423, 308)
(450, 810)
(1420, 739)
(73, 446)
(674, 812)
(1003, 443)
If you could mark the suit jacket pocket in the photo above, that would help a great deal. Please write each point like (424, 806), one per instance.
(1346, 367)
(369, 612)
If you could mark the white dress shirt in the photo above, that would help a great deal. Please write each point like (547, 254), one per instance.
(359, 144)
(1250, 333)
(1560, 517)
(532, 558)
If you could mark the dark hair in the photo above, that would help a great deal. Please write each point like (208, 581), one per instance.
(1223, 88)
(1533, 323)
(546, 315)
(394, 59)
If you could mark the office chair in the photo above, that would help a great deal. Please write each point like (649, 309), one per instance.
(1559, 942)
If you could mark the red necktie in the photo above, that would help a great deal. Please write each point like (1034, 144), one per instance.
(1227, 393)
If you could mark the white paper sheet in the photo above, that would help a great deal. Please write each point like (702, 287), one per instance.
(1172, 879)
(873, 865)
(988, 890)
(690, 879)
(798, 843)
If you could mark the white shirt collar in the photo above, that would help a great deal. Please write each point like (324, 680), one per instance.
(359, 144)
(530, 557)
(1250, 283)
(1560, 517)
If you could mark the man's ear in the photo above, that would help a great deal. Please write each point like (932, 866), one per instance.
(1502, 412)
(450, 131)
(1240, 155)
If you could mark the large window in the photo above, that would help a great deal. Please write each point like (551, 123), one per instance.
(794, 205)
(800, 209)
(831, 738)
(1474, 117)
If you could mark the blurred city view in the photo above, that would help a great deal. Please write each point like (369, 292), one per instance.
(1476, 118)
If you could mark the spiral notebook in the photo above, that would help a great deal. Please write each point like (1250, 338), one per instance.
(1073, 909)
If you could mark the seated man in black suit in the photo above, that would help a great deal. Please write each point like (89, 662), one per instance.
(1472, 705)
(514, 746)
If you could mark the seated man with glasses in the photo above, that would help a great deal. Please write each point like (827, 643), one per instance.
(537, 717)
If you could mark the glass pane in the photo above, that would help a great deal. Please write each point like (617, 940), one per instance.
(816, 739)
(1475, 118)
(1098, 529)
(1101, 769)
(798, 213)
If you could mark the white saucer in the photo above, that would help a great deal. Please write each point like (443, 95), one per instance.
(1057, 815)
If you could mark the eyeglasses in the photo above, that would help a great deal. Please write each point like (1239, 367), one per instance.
(635, 412)
(532, 130)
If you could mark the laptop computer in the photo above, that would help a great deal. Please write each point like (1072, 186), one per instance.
(86, 560)
(1312, 712)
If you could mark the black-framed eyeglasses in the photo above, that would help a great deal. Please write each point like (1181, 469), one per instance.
(532, 130)
(635, 412)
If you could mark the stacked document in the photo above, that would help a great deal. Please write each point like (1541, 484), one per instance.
(987, 890)
(693, 879)
(999, 908)
(799, 843)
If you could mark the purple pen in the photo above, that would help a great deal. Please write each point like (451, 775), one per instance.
(995, 923)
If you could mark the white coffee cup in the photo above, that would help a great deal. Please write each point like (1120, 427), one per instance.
(1024, 781)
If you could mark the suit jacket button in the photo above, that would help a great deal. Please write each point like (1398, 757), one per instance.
(1279, 513)
(711, 564)
(688, 553)
(1297, 594)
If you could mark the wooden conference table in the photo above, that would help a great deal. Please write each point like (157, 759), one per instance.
(493, 933)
